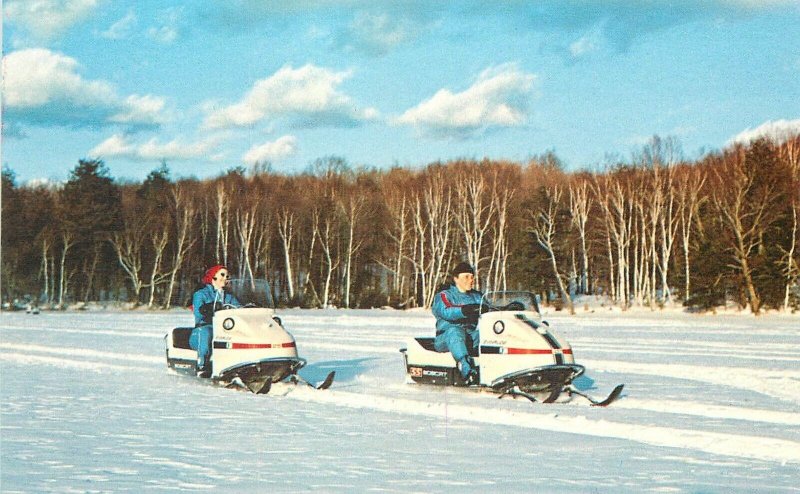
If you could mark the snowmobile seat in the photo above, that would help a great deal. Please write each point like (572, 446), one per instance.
(427, 344)
(180, 337)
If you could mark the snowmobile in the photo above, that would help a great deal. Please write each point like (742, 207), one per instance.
(518, 355)
(250, 347)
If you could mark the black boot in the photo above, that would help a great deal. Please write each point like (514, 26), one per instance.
(204, 371)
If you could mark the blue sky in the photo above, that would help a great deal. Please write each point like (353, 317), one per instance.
(215, 84)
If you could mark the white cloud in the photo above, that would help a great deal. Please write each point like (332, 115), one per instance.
(47, 19)
(590, 42)
(118, 146)
(309, 94)
(163, 34)
(271, 151)
(121, 29)
(36, 76)
(377, 34)
(141, 109)
(168, 25)
(42, 87)
(114, 146)
(778, 130)
(499, 98)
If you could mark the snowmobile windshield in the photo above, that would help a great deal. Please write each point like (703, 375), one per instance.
(516, 301)
(251, 293)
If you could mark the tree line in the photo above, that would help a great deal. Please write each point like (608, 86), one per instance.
(651, 230)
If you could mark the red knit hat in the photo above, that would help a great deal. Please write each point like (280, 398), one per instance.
(211, 272)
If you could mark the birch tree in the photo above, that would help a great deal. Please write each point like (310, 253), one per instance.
(128, 247)
(182, 210)
(689, 185)
(432, 213)
(325, 233)
(789, 152)
(286, 231)
(580, 204)
(474, 211)
(743, 211)
(353, 208)
(159, 239)
(544, 221)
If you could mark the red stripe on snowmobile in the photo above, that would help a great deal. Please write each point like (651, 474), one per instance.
(247, 346)
(536, 351)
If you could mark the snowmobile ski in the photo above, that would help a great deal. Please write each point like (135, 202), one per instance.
(328, 381)
(325, 384)
(263, 388)
(611, 398)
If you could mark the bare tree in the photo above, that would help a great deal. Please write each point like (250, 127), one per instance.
(397, 190)
(618, 218)
(67, 242)
(353, 207)
(789, 152)
(324, 231)
(158, 239)
(245, 221)
(544, 230)
(431, 213)
(689, 184)
(128, 246)
(222, 205)
(183, 211)
(474, 210)
(45, 267)
(744, 212)
(580, 204)
(498, 264)
(286, 231)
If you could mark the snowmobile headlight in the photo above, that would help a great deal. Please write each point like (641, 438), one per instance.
(228, 324)
(499, 327)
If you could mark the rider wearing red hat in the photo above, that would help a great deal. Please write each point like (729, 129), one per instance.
(204, 302)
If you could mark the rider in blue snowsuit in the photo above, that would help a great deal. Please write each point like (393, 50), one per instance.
(457, 308)
(204, 303)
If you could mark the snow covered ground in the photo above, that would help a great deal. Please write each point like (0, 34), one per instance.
(711, 404)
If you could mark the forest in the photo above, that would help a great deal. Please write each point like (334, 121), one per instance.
(650, 230)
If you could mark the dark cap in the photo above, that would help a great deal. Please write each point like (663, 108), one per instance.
(462, 267)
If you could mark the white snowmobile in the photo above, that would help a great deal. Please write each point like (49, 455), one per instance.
(518, 354)
(250, 347)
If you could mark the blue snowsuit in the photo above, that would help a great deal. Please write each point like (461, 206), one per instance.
(453, 330)
(203, 332)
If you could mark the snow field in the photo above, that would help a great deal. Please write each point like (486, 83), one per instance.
(710, 405)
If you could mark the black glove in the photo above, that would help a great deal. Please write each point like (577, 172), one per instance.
(515, 305)
(471, 311)
(207, 310)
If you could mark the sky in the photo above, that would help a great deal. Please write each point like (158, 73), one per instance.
(208, 86)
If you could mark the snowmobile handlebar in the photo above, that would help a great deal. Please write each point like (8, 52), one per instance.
(474, 310)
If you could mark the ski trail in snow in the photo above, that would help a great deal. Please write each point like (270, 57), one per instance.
(644, 343)
(81, 352)
(347, 347)
(93, 332)
(737, 445)
(710, 411)
(728, 354)
(779, 384)
(23, 358)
